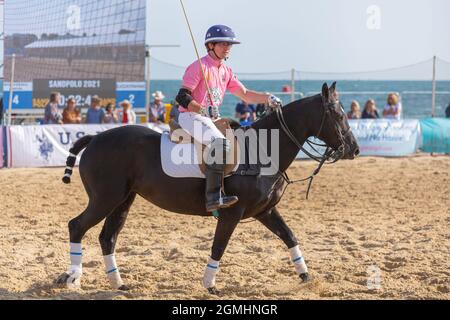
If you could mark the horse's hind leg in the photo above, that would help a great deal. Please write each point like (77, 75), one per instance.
(108, 238)
(275, 223)
(95, 212)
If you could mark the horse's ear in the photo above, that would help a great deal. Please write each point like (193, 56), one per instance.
(325, 93)
(333, 87)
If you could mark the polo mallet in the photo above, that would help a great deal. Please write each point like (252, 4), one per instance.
(215, 213)
(196, 52)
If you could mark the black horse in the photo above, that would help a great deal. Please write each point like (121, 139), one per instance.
(120, 163)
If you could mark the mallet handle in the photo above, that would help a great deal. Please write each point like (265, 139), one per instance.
(196, 52)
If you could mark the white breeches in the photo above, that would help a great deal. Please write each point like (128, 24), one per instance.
(201, 128)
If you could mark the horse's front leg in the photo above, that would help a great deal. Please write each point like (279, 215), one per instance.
(228, 220)
(275, 223)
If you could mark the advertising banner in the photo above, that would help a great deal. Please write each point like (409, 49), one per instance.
(436, 135)
(48, 145)
(387, 138)
(1, 147)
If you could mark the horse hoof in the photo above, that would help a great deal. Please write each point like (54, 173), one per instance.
(124, 288)
(62, 279)
(66, 180)
(213, 291)
(68, 281)
(305, 277)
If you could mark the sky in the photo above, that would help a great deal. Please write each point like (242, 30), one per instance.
(320, 36)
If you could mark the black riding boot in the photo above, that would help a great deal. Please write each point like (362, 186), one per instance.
(215, 198)
(215, 167)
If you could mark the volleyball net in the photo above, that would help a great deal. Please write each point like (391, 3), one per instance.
(82, 40)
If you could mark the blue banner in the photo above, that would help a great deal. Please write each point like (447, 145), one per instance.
(137, 98)
(22, 95)
(436, 135)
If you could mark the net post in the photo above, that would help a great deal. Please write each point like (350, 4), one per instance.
(11, 89)
(148, 58)
(433, 93)
(293, 84)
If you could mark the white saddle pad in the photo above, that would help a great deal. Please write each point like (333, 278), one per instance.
(180, 160)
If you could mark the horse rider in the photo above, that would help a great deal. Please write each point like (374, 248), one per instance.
(198, 111)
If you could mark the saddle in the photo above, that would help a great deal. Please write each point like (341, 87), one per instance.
(179, 136)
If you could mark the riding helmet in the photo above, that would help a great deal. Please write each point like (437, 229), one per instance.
(221, 33)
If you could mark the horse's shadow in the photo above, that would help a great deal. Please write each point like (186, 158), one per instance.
(50, 291)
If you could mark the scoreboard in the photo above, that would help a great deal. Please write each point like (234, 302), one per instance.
(92, 47)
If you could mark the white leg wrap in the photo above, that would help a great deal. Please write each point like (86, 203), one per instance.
(76, 253)
(209, 278)
(298, 260)
(112, 271)
(75, 269)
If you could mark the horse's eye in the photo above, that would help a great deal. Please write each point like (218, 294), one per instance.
(336, 113)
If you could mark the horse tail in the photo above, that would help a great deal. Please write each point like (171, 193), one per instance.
(72, 158)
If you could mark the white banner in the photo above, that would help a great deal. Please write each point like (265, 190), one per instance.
(1, 147)
(130, 86)
(382, 137)
(48, 145)
(18, 86)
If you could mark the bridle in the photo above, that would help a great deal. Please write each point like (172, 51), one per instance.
(330, 153)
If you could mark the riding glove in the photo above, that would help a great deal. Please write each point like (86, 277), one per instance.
(204, 112)
(214, 112)
(274, 102)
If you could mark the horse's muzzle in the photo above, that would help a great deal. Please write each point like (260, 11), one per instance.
(351, 152)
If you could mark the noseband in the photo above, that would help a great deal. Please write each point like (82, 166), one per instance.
(330, 153)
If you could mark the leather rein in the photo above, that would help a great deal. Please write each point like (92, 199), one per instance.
(330, 153)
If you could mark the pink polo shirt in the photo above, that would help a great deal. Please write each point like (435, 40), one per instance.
(219, 77)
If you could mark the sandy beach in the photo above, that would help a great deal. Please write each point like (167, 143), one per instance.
(389, 217)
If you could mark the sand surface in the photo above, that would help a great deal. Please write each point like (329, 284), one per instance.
(368, 219)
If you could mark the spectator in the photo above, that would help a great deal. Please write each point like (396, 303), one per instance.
(370, 110)
(71, 114)
(157, 108)
(243, 107)
(244, 117)
(174, 112)
(1, 110)
(52, 114)
(110, 114)
(261, 110)
(95, 112)
(127, 115)
(447, 111)
(393, 108)
(355, 111)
